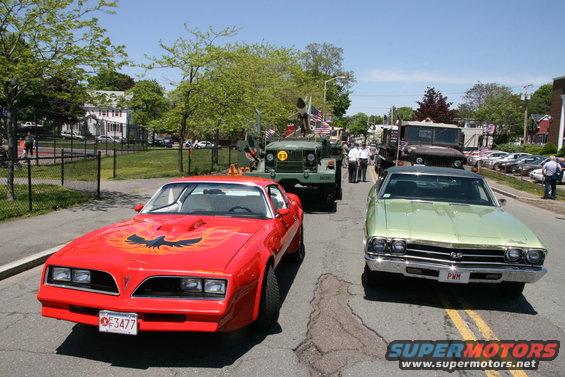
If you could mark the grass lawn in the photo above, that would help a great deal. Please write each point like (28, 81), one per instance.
(516, 183)
(154, 163)
(45, 199)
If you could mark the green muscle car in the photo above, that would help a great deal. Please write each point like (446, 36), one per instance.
(445, 224)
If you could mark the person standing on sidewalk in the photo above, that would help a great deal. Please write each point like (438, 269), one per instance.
(363, 161)
(345, 153)
(550, 170)
(352, 160)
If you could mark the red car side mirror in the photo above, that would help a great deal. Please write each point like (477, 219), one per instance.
(283, 212)
(138, 207)
(294, 198)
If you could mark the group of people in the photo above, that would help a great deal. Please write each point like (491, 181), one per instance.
(552, 173)
(357, 159)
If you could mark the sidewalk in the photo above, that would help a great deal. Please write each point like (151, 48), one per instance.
(23, 237)
(550, 205)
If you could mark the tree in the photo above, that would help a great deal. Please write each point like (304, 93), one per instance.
(376, 119)
(192, 56)
(404, 113)
(42, 40)
(107, 79)
(359, 124)
(323, 62)
(434, 105)
(148, 103)
(505, 111)
(540, 102)
(476, 96)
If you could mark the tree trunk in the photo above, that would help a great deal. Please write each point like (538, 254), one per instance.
(181, 142)
(12, 148)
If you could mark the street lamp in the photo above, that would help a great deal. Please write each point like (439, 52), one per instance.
(326, 89)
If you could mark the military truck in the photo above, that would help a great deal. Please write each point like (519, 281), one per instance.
(310, 162)
(421, 143)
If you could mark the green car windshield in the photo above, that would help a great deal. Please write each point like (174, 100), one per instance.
(438, 188)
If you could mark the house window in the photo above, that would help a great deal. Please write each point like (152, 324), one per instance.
(104, 113)
(117, 113)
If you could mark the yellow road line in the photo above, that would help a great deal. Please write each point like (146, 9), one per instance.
(462, 327)
(485, 329)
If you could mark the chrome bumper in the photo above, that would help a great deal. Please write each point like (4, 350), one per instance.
(507, 273)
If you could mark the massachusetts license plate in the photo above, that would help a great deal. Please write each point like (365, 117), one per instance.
(116, 322)
(449, 276)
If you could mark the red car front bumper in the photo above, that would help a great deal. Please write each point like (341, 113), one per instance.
(153, 314)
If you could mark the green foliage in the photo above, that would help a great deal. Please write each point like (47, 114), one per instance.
(546, 149)
(540, 102)
(107, 79)
(504, 110)
(358, 124)
(561, 152)
(549, 148)
(477, 95)
(148, 103)
(404, 113)
(434, 105)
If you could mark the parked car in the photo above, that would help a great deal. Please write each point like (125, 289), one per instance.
(73, 135)
(204, 145)
(512, 166)
(537, 176)
(492, 158)
(446, 225)
(511, 157)
(106, 139)
(200, 256)
(525, 169)
(163, 143)
(475, 159)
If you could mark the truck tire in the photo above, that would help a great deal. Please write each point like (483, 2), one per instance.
(270, 304)
(329, 197)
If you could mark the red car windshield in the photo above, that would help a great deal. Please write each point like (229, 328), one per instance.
(209, 199)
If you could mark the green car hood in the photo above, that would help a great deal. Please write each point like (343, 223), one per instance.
(447, 223)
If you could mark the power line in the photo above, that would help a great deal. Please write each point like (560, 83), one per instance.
(398, 94)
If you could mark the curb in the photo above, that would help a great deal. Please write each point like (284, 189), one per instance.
(506, 193)
(27, 263)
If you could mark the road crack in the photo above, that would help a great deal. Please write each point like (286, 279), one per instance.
(337, 338)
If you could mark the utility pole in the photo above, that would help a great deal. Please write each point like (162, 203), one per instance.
(526, 111)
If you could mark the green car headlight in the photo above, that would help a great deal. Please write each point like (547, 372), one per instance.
(398, 246)
(377, 245)
(534, 256)
(513, 255)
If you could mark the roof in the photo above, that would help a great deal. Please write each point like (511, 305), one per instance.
(539, 117)
(429, 124)
(293, 144)
(263, 182)
(433, 170)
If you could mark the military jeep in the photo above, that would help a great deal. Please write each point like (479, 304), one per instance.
(308, 162)
(422, 143)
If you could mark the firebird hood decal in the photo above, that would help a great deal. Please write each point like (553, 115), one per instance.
(146, 238)
(160, 241)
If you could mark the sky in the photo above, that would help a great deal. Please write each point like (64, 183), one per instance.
(395, 48)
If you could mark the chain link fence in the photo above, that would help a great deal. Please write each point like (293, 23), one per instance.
(42, 184)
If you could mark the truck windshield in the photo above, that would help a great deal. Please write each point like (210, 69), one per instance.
(432, 135)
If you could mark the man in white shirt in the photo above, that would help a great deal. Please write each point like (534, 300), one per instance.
(363, 161)
(550, 172)
(353, 160)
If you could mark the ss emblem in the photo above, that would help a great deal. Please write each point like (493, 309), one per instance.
(456, 256)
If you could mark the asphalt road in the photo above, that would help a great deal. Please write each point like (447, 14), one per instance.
(329, 323)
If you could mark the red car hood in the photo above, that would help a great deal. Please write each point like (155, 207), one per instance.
(162, 243)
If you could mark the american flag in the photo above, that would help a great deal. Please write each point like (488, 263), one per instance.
(270, 133)
(322, 129)
(315, 115)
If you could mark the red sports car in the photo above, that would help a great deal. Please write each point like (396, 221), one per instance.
(200, 256)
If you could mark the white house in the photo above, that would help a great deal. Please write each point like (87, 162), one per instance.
(109, 117)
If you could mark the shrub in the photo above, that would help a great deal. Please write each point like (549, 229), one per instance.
(561, 152)
(549, 148)
(533, 148)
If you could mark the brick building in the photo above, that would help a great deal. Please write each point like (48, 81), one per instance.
(557, 112)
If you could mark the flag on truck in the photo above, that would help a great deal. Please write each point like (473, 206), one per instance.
(322, 128)
(315, 116)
